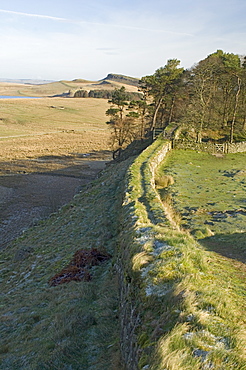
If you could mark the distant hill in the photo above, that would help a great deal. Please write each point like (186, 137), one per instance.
(80, 80)
(121, 78)
(63, 88)
(25, 81)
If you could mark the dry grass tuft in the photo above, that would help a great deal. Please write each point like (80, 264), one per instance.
(140, 260)
(164, 181)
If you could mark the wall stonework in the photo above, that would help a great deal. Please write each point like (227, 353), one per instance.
(211, 147)
(134, 233)
(156, 161)
(237, 147)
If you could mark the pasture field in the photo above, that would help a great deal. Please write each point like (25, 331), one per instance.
(208, 195)
(41, 128)
(45, 115)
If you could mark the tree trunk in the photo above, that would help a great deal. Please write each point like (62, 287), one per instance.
(198, 137)
(235, 109)
(171, 111)
(199, 132)
(244, 123)
(225, 109)
(155, 114)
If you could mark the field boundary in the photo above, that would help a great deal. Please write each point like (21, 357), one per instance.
(209, 147)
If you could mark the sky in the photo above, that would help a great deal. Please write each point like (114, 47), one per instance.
(65, 40)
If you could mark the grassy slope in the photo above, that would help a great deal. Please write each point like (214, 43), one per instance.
(192, 301)
(69, 326)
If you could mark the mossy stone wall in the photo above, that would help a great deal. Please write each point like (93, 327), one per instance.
(136, 232)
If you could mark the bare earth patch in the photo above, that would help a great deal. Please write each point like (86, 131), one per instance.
(26, 198)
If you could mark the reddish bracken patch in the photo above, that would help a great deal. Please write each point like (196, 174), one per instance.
(78, 269)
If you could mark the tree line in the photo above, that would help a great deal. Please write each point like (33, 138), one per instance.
(208, 101)
(104, 94)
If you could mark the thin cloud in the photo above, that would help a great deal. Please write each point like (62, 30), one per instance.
(94, 23)
(33, 15)
(106, 49)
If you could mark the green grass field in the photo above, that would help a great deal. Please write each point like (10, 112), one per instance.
(209, 195)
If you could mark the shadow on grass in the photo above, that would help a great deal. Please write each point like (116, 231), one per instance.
(50, 163)
(228, 245)
(94, 154)
(32, 189)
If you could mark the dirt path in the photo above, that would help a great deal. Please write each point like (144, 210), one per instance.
(27, 198)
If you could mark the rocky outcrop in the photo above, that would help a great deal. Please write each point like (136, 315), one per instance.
(123, 79)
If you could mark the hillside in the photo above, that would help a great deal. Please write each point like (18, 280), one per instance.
(72, 325)
(125, 80)
(176, 304)
(41, 90)
(25, 81)
(65, 88)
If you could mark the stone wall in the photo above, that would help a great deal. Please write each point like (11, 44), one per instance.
(211, 147)
(203, 147)
(136, 231)
(237, 147)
